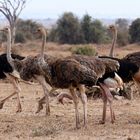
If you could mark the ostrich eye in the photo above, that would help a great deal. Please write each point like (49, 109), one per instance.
(39, 29)
(6, 28)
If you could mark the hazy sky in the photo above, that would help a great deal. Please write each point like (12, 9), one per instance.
(95, 8)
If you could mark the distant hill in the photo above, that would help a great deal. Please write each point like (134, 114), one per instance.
(49, 22)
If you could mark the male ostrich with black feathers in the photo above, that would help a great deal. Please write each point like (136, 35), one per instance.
(129, 65)
(6, 71)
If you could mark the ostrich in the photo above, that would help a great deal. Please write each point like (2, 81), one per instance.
(28, 68)
(135, 59)
(127, 60)
(103, 68)
(107, 78)
(100, 66)
(113, 29)
(60, 74)
(6, 71)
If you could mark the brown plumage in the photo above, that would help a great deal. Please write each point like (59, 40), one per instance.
(105, 69)
(66, 72)
(99, 65)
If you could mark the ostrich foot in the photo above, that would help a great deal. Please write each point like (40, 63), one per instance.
(40, 107)
(112, 121)
(78, 126)
(47, 114)
(1, 105)
(19, 109)
(48, 111)
(102, 122)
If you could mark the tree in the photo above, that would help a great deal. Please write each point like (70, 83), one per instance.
(69, 29)
(27, 28)
(11, 9)
(86, 25)
(123, 32)
(134, 31)
(122, 23)
(93, 30)
(98, 32)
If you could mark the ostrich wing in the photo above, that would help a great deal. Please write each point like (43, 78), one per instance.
(110, 64)
(99, 65)
(68, 71)
(134, 58)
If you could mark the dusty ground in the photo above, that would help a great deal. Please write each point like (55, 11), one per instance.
(60, 125)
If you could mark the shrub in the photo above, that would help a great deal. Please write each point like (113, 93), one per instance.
(85, 50)
(134, 31)
(123, 38)
(20, 38)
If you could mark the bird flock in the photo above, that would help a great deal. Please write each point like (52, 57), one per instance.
(73, 73)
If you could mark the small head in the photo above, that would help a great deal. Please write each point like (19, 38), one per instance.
(5, 30)
(112, 28)
(41, 30)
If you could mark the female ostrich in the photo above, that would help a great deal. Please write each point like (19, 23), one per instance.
(99, 66)
(6, 71)
(107, 78)
(60, 74)
(113, 29)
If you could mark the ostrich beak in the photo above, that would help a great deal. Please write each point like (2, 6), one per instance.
(1, 30)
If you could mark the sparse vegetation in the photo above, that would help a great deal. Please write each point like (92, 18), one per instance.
(85, 50)
(134, 31)
(123, 32)
(20, 38)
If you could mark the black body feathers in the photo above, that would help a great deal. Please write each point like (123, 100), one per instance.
(5, 67)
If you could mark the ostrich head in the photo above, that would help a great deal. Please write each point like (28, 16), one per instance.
(41, 31)
(112, 28)
(6, 30)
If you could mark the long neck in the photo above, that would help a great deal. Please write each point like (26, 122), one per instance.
(43, 45)
(111, 53)
(8, 49)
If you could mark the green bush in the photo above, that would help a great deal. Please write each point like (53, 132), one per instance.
(85, 50)
(134, 31)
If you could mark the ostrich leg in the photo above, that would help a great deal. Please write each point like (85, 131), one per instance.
(17, 90)
(107, 96)
(83, 98)
(76, 101)
(42, 81)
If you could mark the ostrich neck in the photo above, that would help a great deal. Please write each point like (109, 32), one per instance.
(113, 44)
(43, 46)
(8, 50)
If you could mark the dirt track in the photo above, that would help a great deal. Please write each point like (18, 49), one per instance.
(60, 125)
